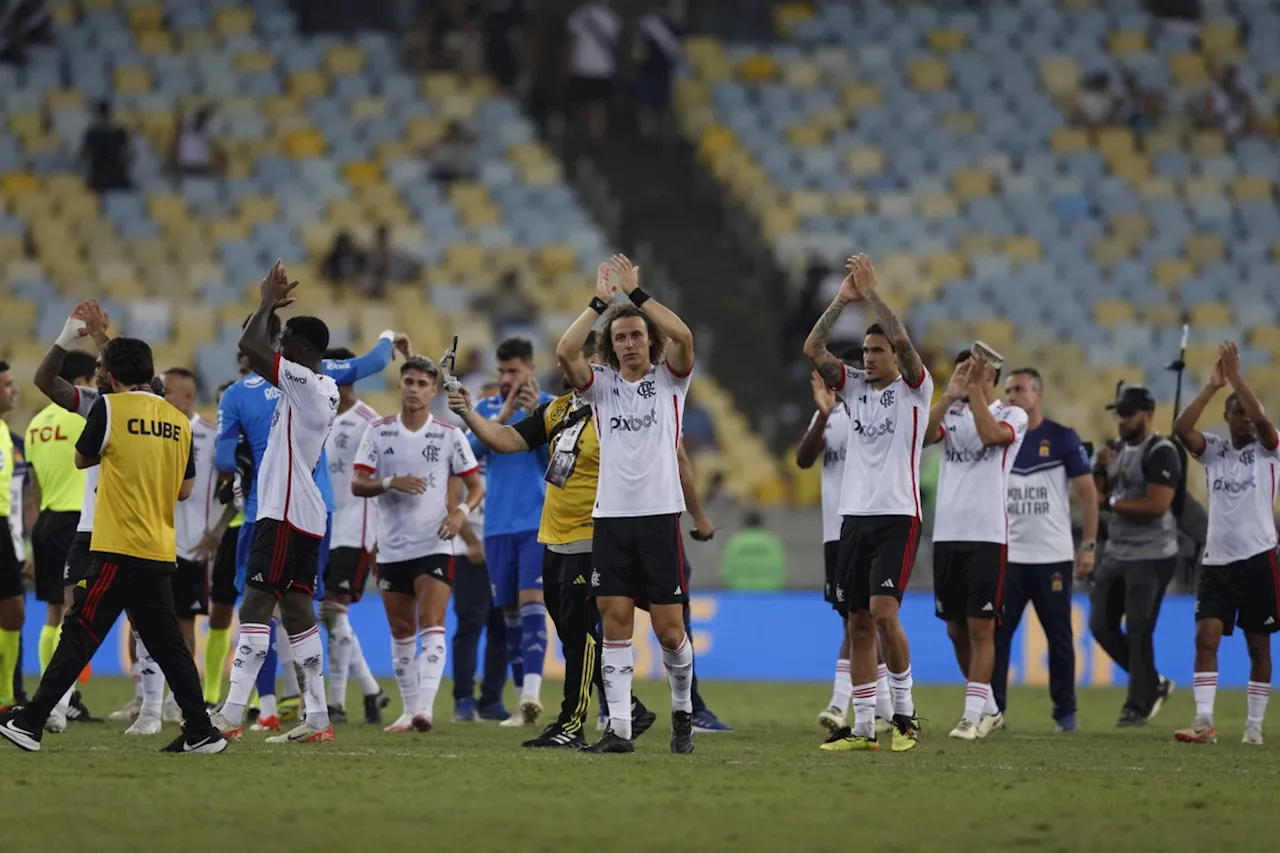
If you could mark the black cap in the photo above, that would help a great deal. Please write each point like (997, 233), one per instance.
(1133, 399)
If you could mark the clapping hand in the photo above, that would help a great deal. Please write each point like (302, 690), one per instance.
(1229, 358)
(94, 318)
(628, 273)
(528, 394)
(1218, 376)
(605, 289)
(861, 280)
(823, 397)
(958, 387)
(276, 287)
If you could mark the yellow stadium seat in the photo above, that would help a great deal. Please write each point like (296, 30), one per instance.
(345, 59)
(805, 136)
(935, 206)
(424, 130)
(362, 173)
(960, 122)
(1115, 142)
(1163, 314)
(849, 203)
(1021, 250)
(947, 40)
(1219, 37)
(440, 84)
(1202, 187)
(801, 74)
(1124, 43)
(978, 243)
(1162, 139)
(1211, 314)
(1273, 85)
(1174, 271)
(1157, 188)
(13, 184)
(132, 81)
(368, 108)
(302, 144)
(760, 68)
(808, 203)
(279, 107)
(155, 42)
(1110, 251)
(974, 183)
(944, 266)
(1205, 248)
(1265, 337)
(1133, 227)
(255, 62)
(1060, 75)
(1070, 140)
(929, 74)
(859, 95)
(197, 41)
(233, 22)
(865, 161)
(1251, 187)
(787, 15)
(1135, 169)
(146, 16)
(167, 209)
(307, 84)
(64, 100)
(228, 229)
(1209, 143)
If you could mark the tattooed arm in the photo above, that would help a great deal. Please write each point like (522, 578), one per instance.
(830, 368)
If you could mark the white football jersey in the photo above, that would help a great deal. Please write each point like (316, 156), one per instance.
(638, 424)
(407, 524)
(835, 440)
(192, 517)
(973, 482)
(1242, 491)
(885, 438)
(85, 398)
(287, 489)
(355, 520)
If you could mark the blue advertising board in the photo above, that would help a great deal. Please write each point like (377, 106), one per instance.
(794, 636)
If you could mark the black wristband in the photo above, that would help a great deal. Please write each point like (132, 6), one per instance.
(639, 297)
(598, 305)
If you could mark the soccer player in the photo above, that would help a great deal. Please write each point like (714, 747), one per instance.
(564, 425)
(828, 437)
(406, 461)
(1141, 554)
(12, 604)
(1051, 464)
(879, 500)
(981, 436)
(143, 446)
(50, 451)
(1240, 579)
(355, 527)
(513, 509)
(292, 520)
(637, 397)
(222, 577)
(245, 412)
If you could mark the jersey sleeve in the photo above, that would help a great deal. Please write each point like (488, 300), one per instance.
(922, 390)
(462, 461)
(1075, 459)
(85, 400)
(190, 471)
(594, 391)
(300, 385)
(228, 432)
(1212, 444)
(1162, 466)
(368, 454)
(850, 374)
(1015, 419)
(350, 371)
(680, 380)
(93, 440)
(535, 430)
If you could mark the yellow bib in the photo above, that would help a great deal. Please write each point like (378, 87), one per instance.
(566, 512)
(51, 451)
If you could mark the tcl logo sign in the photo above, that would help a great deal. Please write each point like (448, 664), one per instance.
(47, 434)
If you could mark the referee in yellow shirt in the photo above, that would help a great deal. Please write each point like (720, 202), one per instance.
(143, 446)
(51, 455)
(12, 612)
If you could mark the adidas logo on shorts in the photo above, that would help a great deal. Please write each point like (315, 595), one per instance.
(888, 583)
(257, 578)
(987, 608)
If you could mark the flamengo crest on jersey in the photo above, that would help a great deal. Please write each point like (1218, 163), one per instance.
(973, 481)
(638, 424)
(304, 412)
(355, 520)
(886, 435)
(85, 398)
(192, 517)
(1242, 490)
(407, 524)
(835, 440)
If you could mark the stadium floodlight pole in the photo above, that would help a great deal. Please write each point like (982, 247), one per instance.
(1179, 367)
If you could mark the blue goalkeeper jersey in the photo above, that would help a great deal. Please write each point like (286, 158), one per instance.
(514, 484)
(247, 406)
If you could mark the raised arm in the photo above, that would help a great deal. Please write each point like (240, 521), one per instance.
(373, 362)
(679, 338)
(993, 433)
(1230, 360)
(87, 320)
(569, 355)
(909, 363)
(255, 340)
(492, 435)
(814, 440)
(830, 368)
(1184, 426)
(957, 388)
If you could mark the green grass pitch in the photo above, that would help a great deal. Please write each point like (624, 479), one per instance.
(766, 787)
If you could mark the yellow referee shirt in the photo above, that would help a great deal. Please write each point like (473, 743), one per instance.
(144, 445)
(566, 511)
(51, 451)
(6, 469)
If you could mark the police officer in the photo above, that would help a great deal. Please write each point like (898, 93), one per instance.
(1141, 552)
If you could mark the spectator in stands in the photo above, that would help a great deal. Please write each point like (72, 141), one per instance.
(195, 152)
(545, 39)
(509, 305)
(1096, 104)
(594, 29)
(453, 158)
(659, 55)
(386, 264)
(25, 23)
(345, 263)
(699, 431)
(472, 374)
(1227, 105)
(503, 29)
(106, 152)
(1137, 108)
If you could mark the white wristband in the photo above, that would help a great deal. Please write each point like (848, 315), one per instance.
(70, 333)
(388, 334)
(386, 483)
(464, 509)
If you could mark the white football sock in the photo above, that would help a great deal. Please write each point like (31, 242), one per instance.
(884, 696)
(679, 664)
(403, 653)
(284, 651)
(975, 699)
(267, 707)
(900, 686)
(136, 671)
(1259, 693)
(841, 687)
(360, 668)
(250, 652)
(309, 652)
(864, 710)
(65, 702)
(340, 635)
(991, 707)
(1204, 686)
(618, 668)
(431, 668)
(152, 680)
